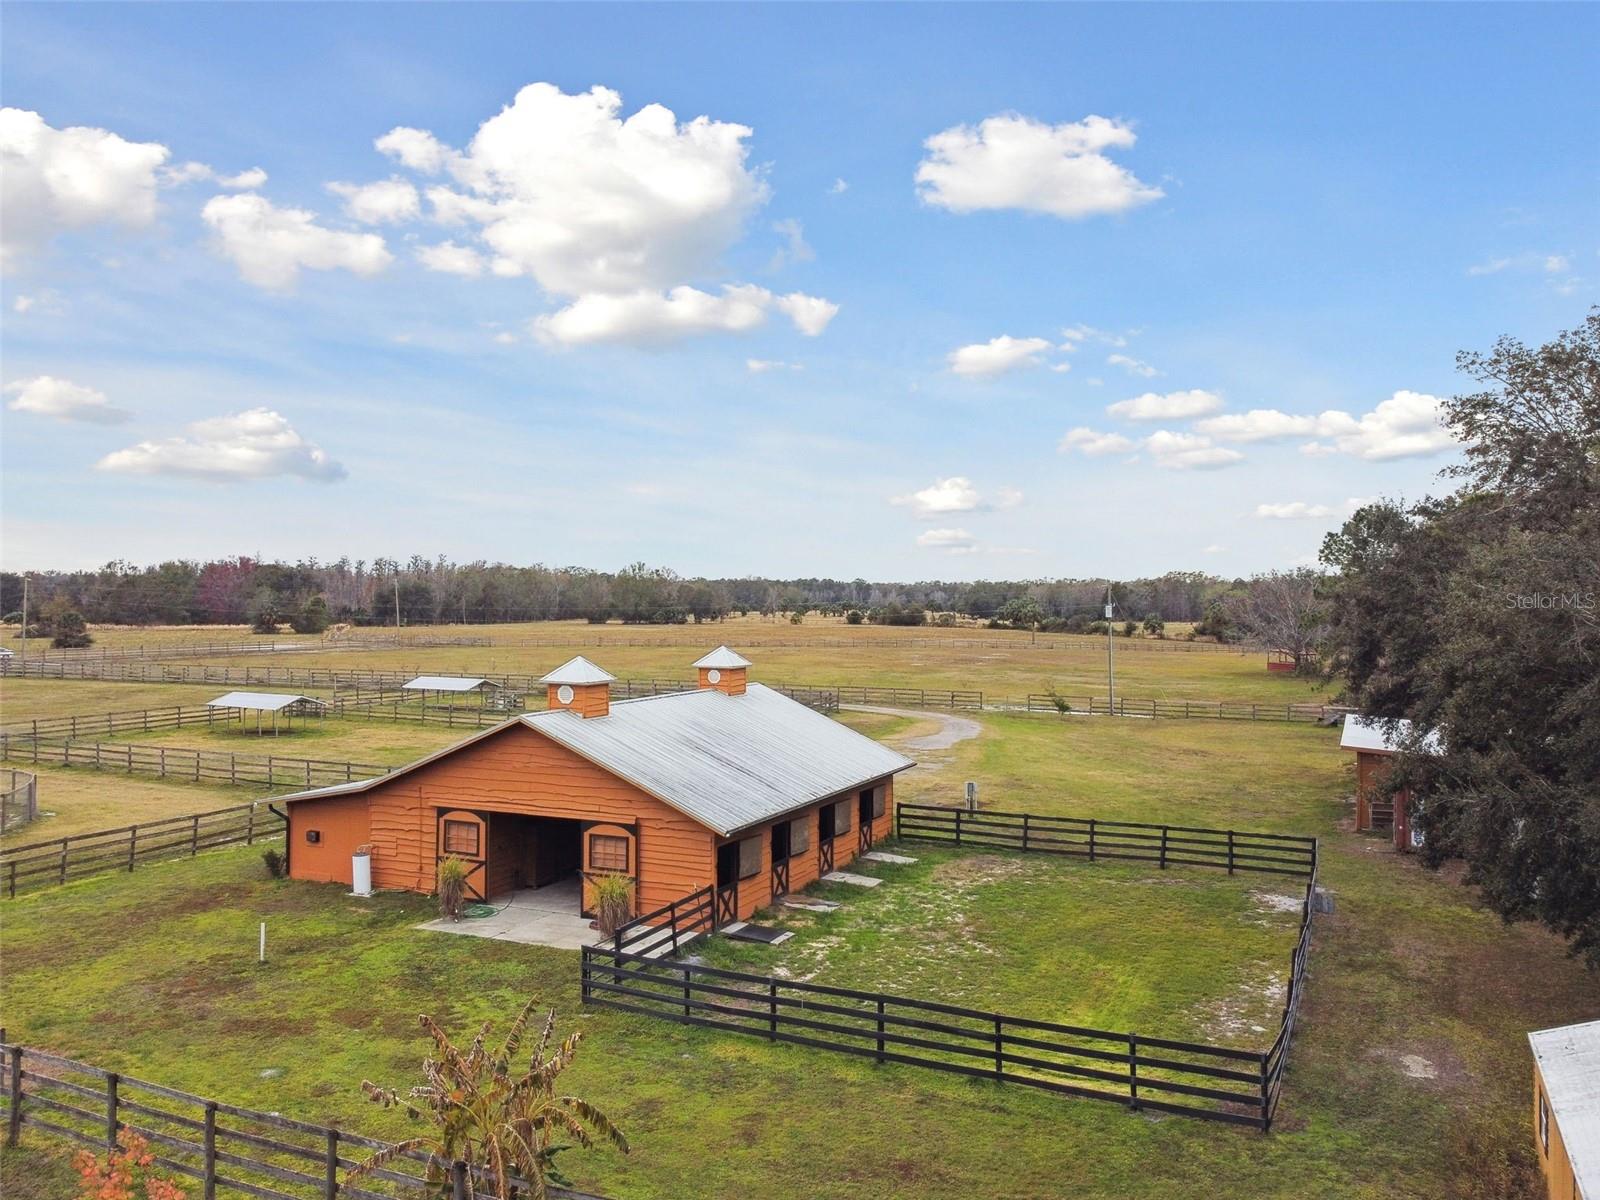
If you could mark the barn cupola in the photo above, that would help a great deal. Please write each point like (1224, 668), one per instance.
(580, 686)
(723, 670)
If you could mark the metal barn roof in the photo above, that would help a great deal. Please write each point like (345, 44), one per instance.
(1569, 1064)
(259, 701)
(578, 671)
(1382, 736)
(729, 762)
(723, 659)
(447, 683)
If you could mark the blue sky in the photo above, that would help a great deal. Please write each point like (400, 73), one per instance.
(1261, 233)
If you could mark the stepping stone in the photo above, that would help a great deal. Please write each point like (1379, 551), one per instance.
(811, 904)
(883, 856)
(866, 881)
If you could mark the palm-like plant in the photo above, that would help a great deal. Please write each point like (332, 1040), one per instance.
(510, 1127)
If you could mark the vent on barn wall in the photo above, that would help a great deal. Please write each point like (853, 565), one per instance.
(580, 686)
(723, 670)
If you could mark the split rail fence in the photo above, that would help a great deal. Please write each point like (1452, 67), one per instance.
(1235, 710)
(228, 1150)
(1219, 1083)
(186, 763)
(48, 864)
(19, 798)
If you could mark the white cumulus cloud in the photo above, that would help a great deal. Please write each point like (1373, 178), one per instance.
(997, 356)
(1132, 365)
(1093, 443)
(655, 318)
(952, 541)
(1188, 452)
(271, 245)
(1407, 425)
(451, 259)
(384, 202)
(1173, 406)
(1013, 161)
(956, 494)
(48, 396)
(255, 444)
(56, 179)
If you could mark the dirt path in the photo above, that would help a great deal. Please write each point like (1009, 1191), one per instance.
(952, 729)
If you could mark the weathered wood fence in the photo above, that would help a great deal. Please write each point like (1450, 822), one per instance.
(183, 762)
(227, 1149)
(19, 798)
(48, 864)
(1219, 1083)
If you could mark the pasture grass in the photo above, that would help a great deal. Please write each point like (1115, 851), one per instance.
(1409, 1076)
(82, 800)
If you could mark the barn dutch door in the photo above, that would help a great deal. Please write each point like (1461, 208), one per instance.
(727, 900)
(869, 809)
(825, 833)
(465, 835)
(780, 859)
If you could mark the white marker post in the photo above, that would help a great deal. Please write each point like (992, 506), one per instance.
(263, 951)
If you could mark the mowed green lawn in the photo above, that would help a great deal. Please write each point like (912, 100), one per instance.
(1409, 1076)
(83, 800)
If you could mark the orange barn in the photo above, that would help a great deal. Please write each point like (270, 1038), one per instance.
(1566, 1109)
(1376, 742)
(733, 785)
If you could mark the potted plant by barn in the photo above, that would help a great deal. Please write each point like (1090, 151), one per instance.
(361, 870)
(612, 896)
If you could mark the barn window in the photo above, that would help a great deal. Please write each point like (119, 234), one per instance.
(461, 837)
(1544, 1123)
(608, 852)
(749, 857)
(799, 835)
(878, 794)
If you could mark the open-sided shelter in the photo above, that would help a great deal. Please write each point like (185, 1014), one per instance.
(732, 785)
(264, 704)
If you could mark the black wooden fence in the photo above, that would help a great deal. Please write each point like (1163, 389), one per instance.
(1234, 710)
(631, 972)
(228, 1150)
(46, 864)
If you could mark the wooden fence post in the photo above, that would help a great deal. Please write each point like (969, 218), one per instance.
(1024, 833)
(331, 1191)
(63, 878)
(686, 991)
(209, 1175)
(113, 1125)
(1230, 852)
(194, 835)
(1163, 847)
(999, 1050)
(1266, 1094)
(14, 1117)
(1091, 838)
(133, 844)
(880, 1028)
(458, 1180)
(958, 827)
(772, 1011)
(1133, 1072)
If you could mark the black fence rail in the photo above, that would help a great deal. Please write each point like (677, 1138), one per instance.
(633, 972)
(227, 1150)
(1079, 837)
(1159, 1074)
(1227, 710)
(187, 763)
(48, 864)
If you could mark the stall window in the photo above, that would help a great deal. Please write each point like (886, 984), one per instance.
(749, 857)
(799, 835)
(1544, 1123)
(608, 852)
(879, 801)
(461, 837)
(841, 817)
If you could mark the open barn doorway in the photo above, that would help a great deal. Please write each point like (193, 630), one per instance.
(541, 855)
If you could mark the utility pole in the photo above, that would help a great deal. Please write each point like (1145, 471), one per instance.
(1111, 657)
(24, 620)
(397, 601)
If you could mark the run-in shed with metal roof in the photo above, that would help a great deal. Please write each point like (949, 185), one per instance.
(1376, 741)
(732, 786)
(263, 703)
(1566, 1109)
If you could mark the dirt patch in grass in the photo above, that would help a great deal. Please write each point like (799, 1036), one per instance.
(979, 869)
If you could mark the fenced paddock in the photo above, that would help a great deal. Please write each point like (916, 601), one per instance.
(633, 972)
(19, 798)
(48, 864)
(181, 762)
(1223, 710)
(228, 1150)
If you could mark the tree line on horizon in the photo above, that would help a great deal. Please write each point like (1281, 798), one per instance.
(308, 595)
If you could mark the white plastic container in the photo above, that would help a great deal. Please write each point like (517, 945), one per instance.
(361, 874)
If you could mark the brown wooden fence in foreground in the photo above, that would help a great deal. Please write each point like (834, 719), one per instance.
(228, 1150)
(46, 864)
(1215, 1083)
